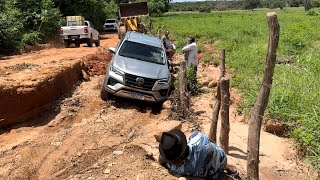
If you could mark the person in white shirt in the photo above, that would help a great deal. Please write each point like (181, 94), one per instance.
(191, 53)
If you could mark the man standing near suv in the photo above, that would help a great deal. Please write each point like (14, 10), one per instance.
(168, 45)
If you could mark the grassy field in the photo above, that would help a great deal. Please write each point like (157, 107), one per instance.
(295, 96)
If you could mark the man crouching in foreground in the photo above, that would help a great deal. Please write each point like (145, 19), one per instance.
(198, 157)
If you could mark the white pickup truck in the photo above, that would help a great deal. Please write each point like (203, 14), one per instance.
(79, 34)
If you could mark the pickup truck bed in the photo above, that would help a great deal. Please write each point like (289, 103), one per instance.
(80, 34)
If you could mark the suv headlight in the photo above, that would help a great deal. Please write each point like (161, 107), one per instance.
(164, 81)
(116, 70)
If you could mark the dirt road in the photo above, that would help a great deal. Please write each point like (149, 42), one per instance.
(82, 137)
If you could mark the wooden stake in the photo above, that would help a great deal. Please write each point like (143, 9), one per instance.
(225, 125)
(262, 100)
(183, 88)
(217, 104)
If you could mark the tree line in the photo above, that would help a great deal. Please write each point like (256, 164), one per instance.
(29, 22)
(207, 6)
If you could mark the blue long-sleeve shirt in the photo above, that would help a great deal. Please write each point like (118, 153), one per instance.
(205, 159)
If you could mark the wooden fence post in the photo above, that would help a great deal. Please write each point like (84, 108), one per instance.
(225, 125)
(183, 88)
(217, 104)
(262, 100)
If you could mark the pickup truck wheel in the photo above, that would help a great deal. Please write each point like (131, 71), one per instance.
(104, 95)
(77, 44)
(66, 44)
(90, 42)
(98, 42)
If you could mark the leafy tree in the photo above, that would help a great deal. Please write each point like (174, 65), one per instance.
(295, 3)
(316, 3)
(251, 4)
(156, 7)
(307, 5)
(11, 27)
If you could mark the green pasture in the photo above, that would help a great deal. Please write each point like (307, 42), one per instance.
(295, 96)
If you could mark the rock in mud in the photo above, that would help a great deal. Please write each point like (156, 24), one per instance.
(141, 177)
(85, 75)
(212, 84)
(117, 152)
(165, 127)
(275, 127)
(107, 171)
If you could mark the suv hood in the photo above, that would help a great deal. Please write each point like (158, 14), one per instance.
(141, 68)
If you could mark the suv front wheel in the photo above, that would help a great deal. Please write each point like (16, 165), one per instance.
(104, 95)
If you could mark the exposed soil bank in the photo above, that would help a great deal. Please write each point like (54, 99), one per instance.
(19, 102)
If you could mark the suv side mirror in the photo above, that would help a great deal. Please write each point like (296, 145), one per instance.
(112, 50)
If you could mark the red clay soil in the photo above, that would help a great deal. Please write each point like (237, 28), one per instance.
(96, 64)
(32, 80)
(20, 101)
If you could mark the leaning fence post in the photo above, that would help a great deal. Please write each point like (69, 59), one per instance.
(217, 104)
(183, 88)
(225, 125)
(262, 100)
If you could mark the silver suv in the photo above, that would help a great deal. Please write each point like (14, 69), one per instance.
(138, 69)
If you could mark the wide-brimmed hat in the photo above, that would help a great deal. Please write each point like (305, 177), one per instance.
(173, 144)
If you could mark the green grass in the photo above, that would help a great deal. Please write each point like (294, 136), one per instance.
(295, 96)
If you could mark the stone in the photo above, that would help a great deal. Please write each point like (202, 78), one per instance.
(111, 164)
(182, 178)
(7, 73)
(275, 127)
(141, 177)
(107, 171)
(56, 143)
(165, 127)
(85, 75)
(212, 84)
(117, 152)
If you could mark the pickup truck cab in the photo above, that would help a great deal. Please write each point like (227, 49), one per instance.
(138, 70)
(111, 25)
(73, 33)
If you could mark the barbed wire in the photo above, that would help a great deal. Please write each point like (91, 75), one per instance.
(259, 150)
(290, 87)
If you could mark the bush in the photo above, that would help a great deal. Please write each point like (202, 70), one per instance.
(30, 39)
(313, 12)
(204, 9)
(192, 80)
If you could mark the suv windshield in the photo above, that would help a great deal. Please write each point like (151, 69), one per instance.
(142, 52)
(110, 21)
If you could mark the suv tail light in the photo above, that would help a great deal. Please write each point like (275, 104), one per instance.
(61, 31)
(86, 30)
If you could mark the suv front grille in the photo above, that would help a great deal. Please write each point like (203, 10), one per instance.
(131, 80)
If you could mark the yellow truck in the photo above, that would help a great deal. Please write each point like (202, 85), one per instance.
(130, 15)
